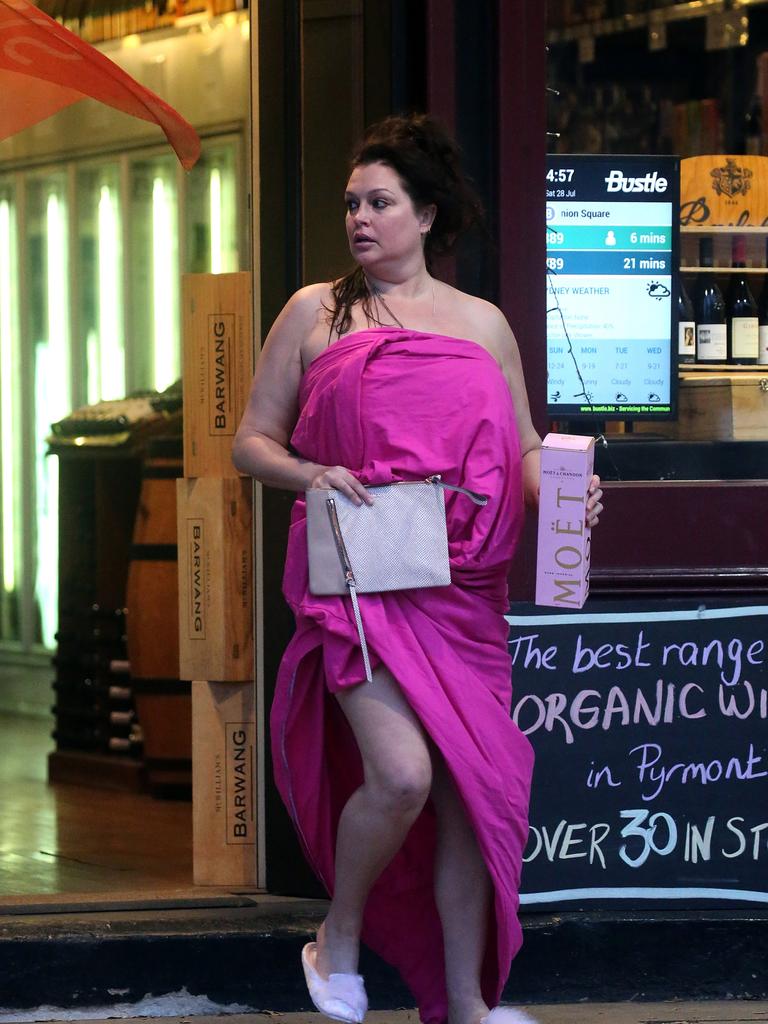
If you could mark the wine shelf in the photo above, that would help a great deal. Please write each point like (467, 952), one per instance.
(648, 19)
(684, 269)
(721, 368)
(729, 229)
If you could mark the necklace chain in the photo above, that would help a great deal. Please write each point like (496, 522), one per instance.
(378, 297)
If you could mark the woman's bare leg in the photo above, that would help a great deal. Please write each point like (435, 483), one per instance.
(377, 817)
(463, 894)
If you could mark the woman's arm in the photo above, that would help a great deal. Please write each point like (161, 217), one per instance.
(505, 345)
(532, 476)
(260, 447)
(530, 442)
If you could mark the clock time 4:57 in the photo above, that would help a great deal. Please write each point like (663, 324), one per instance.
(562, 174)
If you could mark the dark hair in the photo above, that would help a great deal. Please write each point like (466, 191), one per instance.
(427, 161)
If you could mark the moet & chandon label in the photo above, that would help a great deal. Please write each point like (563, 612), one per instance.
(564, 542)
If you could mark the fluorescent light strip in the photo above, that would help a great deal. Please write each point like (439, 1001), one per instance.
(51, 404)
(93, 366)
(7, 404)
(163, 268)
(215, 192)
(111, 345)
(58, 315)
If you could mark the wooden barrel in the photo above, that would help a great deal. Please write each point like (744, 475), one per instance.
(164, 710)
(152, 594)
(163, 702)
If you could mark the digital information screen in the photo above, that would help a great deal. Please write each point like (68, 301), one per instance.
(612, 254)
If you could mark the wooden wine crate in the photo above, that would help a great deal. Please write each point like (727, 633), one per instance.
(224, 783)
(215, 579)
(719, 406)
(721, 189)
(218, 367)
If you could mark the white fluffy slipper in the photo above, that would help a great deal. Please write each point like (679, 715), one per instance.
(340, 997)
(507, 1015)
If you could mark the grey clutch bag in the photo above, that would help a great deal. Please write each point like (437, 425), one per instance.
(398, 543)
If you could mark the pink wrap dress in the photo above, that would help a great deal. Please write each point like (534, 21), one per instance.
(394, 404)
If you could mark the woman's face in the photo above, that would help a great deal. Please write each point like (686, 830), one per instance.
(383, 226)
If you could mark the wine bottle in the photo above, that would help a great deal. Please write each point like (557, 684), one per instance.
(711, 329)
(686, 325)
(743, 329)
(762, 354)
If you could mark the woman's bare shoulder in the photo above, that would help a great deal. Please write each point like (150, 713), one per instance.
(309, 302)
(299, 320)
(468, 305)
(485, 312)
(484, 321)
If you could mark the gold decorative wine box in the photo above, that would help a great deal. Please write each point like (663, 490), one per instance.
(223, 783)
(218, 367)
(718, 405)
(215, 579)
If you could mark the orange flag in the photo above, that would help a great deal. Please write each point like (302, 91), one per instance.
(45, 67)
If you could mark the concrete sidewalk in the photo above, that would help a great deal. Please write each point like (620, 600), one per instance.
(594, 1013)
(732, 1012)
(247, 955)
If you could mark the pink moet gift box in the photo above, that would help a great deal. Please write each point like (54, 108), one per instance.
(562, 560)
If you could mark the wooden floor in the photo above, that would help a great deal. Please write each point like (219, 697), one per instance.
(66, 839)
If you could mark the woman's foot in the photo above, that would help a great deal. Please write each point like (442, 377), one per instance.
(340, 997)
(337, 953)
(467, 1011)
(507, 1015)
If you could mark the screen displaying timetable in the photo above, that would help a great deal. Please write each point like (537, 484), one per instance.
(612, 249)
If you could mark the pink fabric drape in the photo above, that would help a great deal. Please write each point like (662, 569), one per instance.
(395, 404)
(44, 67)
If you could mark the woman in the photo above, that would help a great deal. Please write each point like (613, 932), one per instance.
(409, 793)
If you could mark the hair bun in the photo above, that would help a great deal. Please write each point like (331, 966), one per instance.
(431, 136)
(428, 161)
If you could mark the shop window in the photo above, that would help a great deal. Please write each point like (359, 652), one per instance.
(91, 255)
(617, 87)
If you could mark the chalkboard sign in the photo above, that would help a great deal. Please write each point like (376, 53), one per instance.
(650, 726)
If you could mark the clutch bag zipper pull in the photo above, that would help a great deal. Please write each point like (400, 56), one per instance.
(479, 499)
(349, 579)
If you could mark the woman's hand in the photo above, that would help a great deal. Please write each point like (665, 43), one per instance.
(594, 504)
(342, 480)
